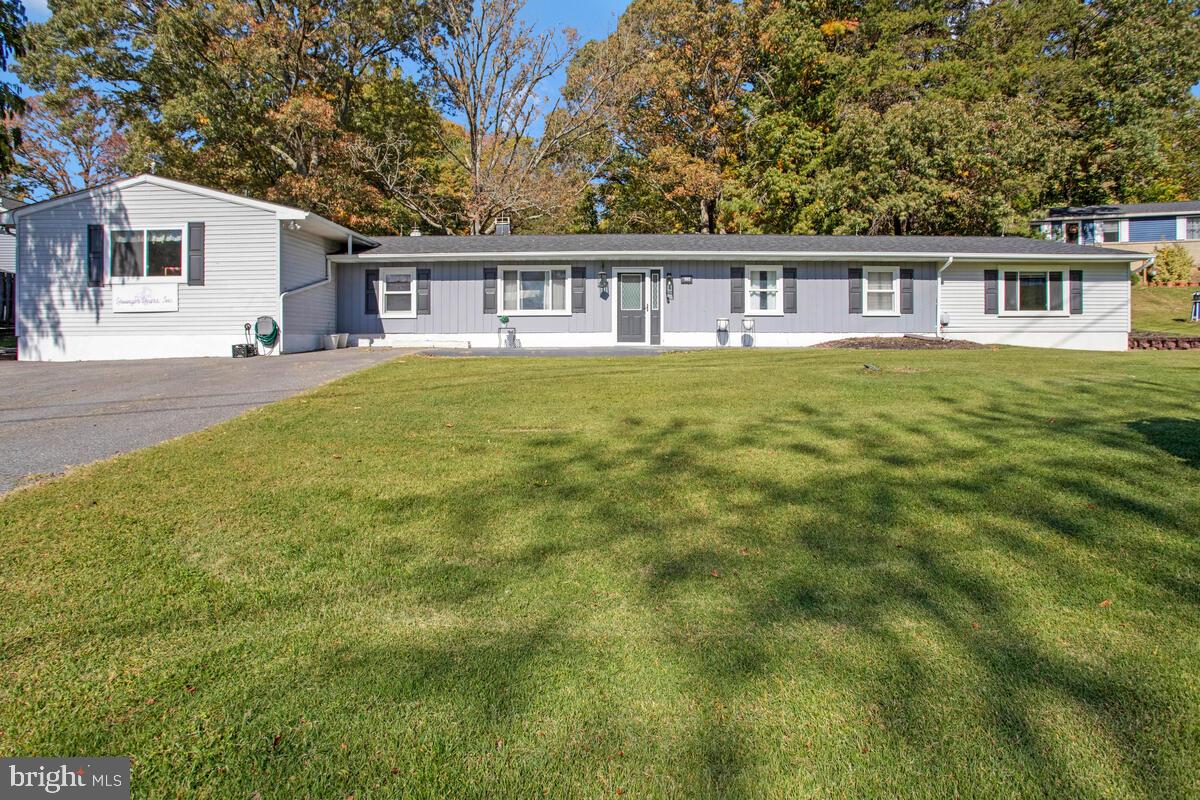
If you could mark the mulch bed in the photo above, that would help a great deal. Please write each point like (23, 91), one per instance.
(899, 343)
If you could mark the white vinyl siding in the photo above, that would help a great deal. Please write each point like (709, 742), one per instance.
(314, 311)
(57, 307)
(1105, 307)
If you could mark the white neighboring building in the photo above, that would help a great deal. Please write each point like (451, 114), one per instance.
(149, 267)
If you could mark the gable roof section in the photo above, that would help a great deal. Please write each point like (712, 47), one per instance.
(316, 223)
(1121, 210)
(699, 246)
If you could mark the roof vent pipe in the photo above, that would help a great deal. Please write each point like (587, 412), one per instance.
(503, 226)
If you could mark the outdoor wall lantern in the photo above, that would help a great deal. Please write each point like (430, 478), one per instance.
(722, 324)
(670, 287)
(602, 280)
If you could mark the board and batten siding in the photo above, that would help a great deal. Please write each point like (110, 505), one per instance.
(456, 302)
(313, 312)
(822, 299)
(1103, 325)
(60, 317)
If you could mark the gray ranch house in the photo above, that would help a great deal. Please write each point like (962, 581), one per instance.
(149, 267)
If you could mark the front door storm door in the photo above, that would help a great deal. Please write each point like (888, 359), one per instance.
(656, 306)
(631, 307)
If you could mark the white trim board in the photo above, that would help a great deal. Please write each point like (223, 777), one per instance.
(751, 255)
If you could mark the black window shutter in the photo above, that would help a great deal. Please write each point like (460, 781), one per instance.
(1011, 291)
(737, 290)
(372, 306)
(422, 291)
(906, 291)
(95, 255)
(1054, 288)
(1076, 291)
(854, 278)
(489, 290)
(991, 291)
(789, 290)
(195, 259)
(578, 290)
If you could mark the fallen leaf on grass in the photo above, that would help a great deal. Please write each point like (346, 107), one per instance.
(716, 574)
(1106, 604)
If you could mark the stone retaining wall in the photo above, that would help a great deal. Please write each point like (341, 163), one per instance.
(1163, 341)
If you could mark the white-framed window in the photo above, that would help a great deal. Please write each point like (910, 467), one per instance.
(398, 292)
(1109, 230)
(762, 291)
(533, 291)
(881, 291)
(1192, 230)
(146, 254)
(1035, 291)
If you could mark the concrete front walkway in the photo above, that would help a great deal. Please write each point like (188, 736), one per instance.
(54, 416)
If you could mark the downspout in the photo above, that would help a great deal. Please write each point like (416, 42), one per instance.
(284, 295)
(938, 310)
(322, 282)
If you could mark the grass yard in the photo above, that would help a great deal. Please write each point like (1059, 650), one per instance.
(769, 574)
(1164, 309)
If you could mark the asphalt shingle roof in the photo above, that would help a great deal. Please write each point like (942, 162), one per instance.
(1117, 209)
(698, 243)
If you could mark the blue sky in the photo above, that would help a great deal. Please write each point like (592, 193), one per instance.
(593, 19)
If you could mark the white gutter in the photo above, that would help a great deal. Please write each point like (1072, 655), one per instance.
(750, 255)
(938, 308)
(286, 294)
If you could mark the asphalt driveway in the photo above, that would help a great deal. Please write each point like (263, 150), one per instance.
(54, 416)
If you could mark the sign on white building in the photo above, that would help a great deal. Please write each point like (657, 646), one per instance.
(140, 298)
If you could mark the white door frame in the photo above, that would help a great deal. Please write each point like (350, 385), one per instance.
(616, 303)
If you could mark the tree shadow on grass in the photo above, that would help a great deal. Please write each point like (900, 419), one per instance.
(890, 586)
(1173, 435)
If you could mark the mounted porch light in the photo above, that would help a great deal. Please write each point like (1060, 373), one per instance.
(602, 280)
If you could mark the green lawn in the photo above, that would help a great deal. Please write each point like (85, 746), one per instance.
(1164, 309)
(767, 574)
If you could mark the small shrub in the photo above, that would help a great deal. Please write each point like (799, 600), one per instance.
(1173, 264)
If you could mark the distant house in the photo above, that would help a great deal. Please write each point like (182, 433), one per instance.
(148, 267)
(8, 264)
(8, 236)
(1134, 227)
